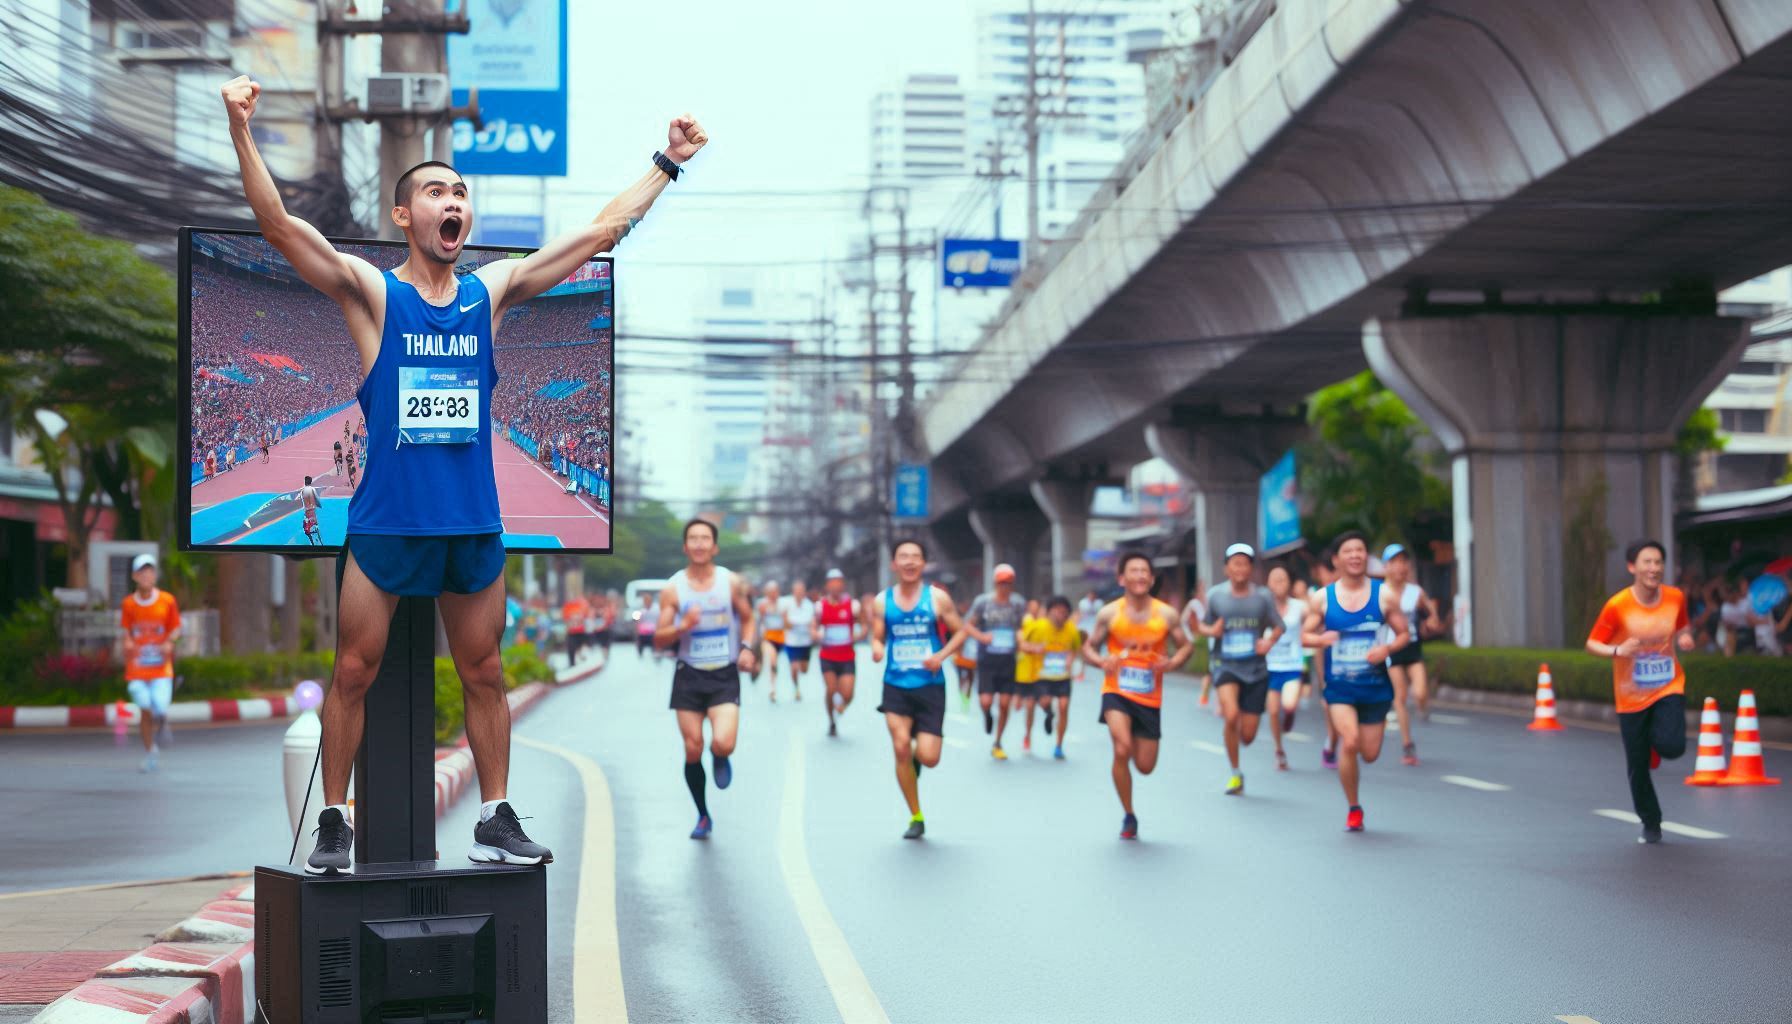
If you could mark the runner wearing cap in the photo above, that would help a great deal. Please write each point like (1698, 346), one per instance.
(994, 622)
(1346, 620)
(1406, 667)
(149, 624)
(1244, 620)
(839, 624)
(1132, 644)
(1640, 629)
(914, 618)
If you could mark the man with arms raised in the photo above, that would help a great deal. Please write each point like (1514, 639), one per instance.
(425, 521)
(907, 617)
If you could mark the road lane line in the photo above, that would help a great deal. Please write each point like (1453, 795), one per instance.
(852, 992)
(1485, 787)
(1298, 737)
(1575, 1018)
(953, 741)
(1448, 719)
(1211, 748)
(597, 949)
(1690, 831)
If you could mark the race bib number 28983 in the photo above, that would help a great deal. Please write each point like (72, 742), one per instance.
(438, 405)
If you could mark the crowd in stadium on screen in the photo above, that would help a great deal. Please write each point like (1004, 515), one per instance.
(291, 349)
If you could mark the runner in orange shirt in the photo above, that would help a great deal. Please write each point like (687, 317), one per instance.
(151, 623)
(1131, 643)
(573, 614)
(1639, 629)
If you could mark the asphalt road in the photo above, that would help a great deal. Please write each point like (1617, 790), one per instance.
(1463, 902)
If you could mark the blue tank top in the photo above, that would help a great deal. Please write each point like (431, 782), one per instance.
(913, 635)
(1347, 665)
(428, 402)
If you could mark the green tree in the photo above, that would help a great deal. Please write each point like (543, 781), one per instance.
(87, 370)
(1368, 466)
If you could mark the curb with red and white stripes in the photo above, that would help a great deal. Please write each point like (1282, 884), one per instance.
(202, 970)
(187, 712)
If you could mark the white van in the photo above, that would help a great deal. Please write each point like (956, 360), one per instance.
(627, 622)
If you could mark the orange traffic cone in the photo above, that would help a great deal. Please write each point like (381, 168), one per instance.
(1746, 766)
(1708, 770)
(1545, 719)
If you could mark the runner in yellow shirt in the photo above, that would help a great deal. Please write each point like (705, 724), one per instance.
(1047, 653)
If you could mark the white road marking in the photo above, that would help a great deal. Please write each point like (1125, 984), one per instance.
(1211, 748)
(852, 993)
(597, 948)
(953, 741)
(1298, 737)
(1575, 1018)
(1485, 787)
(1444, 719)
(1689, 831)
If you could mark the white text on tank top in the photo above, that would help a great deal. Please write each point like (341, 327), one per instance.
(713, 643)
(1285, 655)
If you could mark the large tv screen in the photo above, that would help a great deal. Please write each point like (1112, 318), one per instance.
(269, 381)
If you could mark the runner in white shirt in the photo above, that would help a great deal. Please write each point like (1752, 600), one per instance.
(798, 615)
(1193, 614)
(1286, 663)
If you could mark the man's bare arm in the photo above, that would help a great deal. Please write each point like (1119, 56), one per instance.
(514, 281)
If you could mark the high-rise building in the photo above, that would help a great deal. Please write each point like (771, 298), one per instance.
(920, 129)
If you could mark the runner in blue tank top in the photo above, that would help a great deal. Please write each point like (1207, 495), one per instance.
(1346, 618)
(425, 522)
(905, 621)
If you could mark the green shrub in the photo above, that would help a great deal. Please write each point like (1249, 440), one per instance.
(55, 678)
(1578, 675)
(523, 665)
(451, 711)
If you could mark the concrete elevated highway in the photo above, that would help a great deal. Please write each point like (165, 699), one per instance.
(1519, 212)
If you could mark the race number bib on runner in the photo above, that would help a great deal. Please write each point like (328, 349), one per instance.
(1351, 655)
(1056, 664)
(149, 656)
(1001, 640)
(909, 654)
(709, 648)
(438, 405)
(1652, 671)
(1137, 679)
(836, 634)
(1238, 643)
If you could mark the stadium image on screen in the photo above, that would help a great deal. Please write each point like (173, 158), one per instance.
(269, 381)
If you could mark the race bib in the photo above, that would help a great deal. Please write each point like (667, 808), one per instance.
(1238, 643)
(709, 648)
(836, 634)
(1350, 656)
(1135, 679)
(438, 404)
(1652, 671)
(1285, 656)
(150, 656)
(1001, 640)
(1056, 664)
(906, 655)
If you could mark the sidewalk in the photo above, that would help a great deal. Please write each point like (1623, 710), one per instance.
(52, 940)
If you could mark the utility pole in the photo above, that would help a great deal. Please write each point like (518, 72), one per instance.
(1032, 130)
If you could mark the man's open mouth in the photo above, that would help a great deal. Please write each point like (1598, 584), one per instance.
(449, 229)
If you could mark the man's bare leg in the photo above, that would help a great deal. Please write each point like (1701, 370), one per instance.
(364, 618)
(474, 624)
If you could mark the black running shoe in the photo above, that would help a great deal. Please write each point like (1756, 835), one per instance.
(832, 729)
(500, 840)
(335, 841)
(916, 829)
(1651, 834)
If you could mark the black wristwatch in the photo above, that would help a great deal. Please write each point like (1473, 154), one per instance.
(664, 163)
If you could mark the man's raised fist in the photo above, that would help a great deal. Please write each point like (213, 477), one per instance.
(240, 95)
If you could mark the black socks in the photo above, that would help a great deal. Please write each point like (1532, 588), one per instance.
(694, 779)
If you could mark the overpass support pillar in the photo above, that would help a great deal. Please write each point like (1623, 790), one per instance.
(1066, 506)
(1560, 428)
(1223, 458)
(1010, 530)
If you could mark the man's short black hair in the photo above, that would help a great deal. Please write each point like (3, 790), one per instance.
(715, 535)
(1134, 556)
(1058, 601)
(1329, 557)
(908, 540)
(307, 481)
(1346, 537)
(1636, 549)
(407, 184)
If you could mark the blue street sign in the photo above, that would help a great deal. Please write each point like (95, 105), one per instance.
(1766, 593)
(910, 486)
(521, 230)
(515, 54)
(979, 262)
(1278, 508)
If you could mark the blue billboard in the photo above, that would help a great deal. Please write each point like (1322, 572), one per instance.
(910, 487)
(1278, 508)
(515, 55)
(979, 262)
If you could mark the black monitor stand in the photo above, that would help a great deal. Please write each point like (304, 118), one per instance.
(406, 936)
